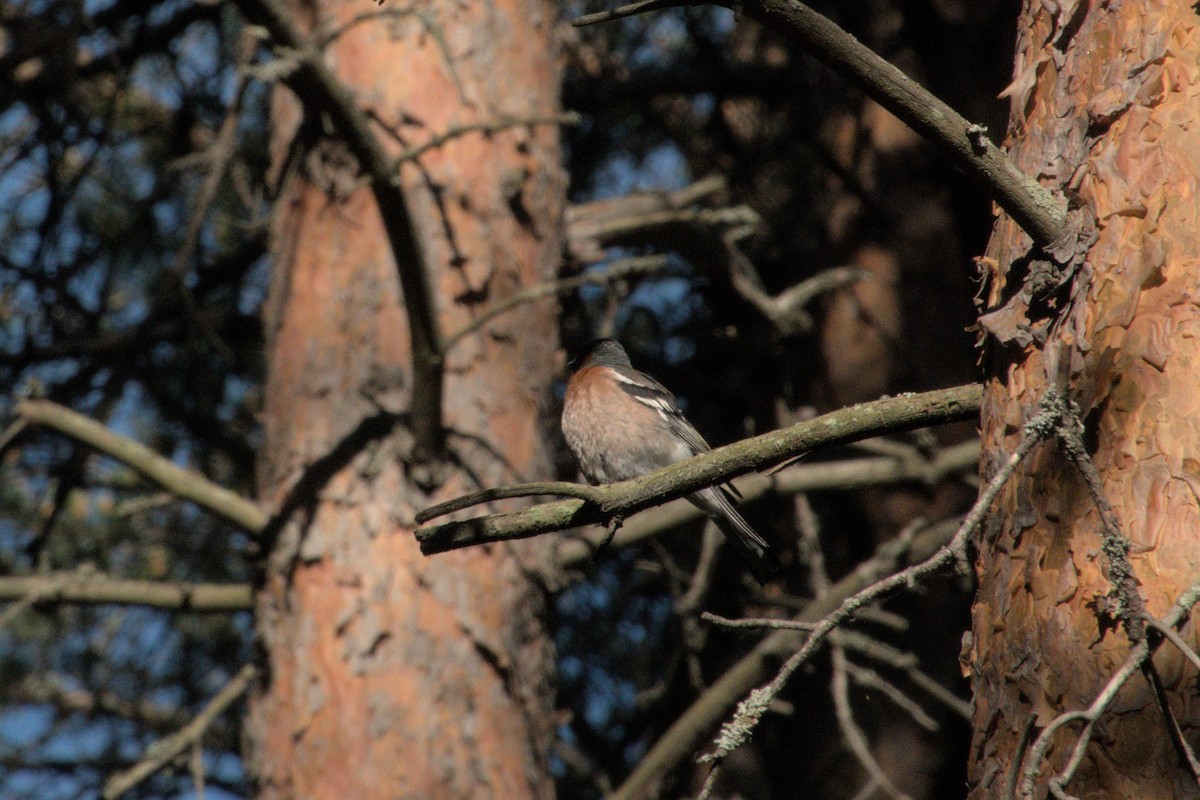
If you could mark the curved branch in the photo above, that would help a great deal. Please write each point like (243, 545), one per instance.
(628, 497)
(1033, 207)
(184, 483)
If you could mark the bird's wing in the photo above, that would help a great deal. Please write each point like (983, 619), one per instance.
(653, 394)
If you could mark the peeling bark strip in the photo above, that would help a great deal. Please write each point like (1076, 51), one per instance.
(1105, 103)
(385, 674)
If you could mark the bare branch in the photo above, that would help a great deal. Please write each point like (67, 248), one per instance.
(162, 752)
(567, 118)
(632, 9)
(597, 224)
(683, 737)
(851, 732)
(92, 588)
(843, 475)
(871, 679)
(184, 483)
(628, 497)
(738, 729)
(1138, 655)
(967, 144)
(1168, 633)
(758, 623)
(541, 488)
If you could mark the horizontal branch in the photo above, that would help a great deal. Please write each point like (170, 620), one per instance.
(103, 590)
(1033, 207)
(638, 218)
(623, 499)
(845, 475)
(184, 483)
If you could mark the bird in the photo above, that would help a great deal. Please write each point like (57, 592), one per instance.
(621, 424)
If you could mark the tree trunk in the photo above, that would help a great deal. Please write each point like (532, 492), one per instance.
(1106, 107)
(390, 674)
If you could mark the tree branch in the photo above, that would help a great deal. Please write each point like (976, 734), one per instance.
(628, 497)
(967, 144)
(840, 475)
(1177, 615)
(97, 589)
(162, 752)
(680, 741)
(323, 92)
(184, 483)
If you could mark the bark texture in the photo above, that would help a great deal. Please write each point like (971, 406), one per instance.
(389, 674)
(1105, 107)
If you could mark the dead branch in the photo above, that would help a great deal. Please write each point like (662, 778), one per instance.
(628, 497)
(619, 270)
(851, 732)
(751, 710)
(487, 127)
(680, 741)
(595, 225)
(967, 144)
(1177, 616)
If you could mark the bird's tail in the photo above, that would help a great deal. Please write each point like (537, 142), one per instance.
(756, 553)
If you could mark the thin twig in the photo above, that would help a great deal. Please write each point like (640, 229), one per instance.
(758, 623)
(1169, 633)
(738, 729)
(219, 154)
(710, 545)
(162, 752)
(568, 118)
(870, 679)
(564, 488)
(1128, 604)
(907, 663)
(681, 739)
(851, 732)
(1178, 614)
(622, 269)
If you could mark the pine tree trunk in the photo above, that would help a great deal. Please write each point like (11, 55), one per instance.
(391, 674)
(1106, 108)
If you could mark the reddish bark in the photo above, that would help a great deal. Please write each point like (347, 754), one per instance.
(1106, 106)
(393, 675)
